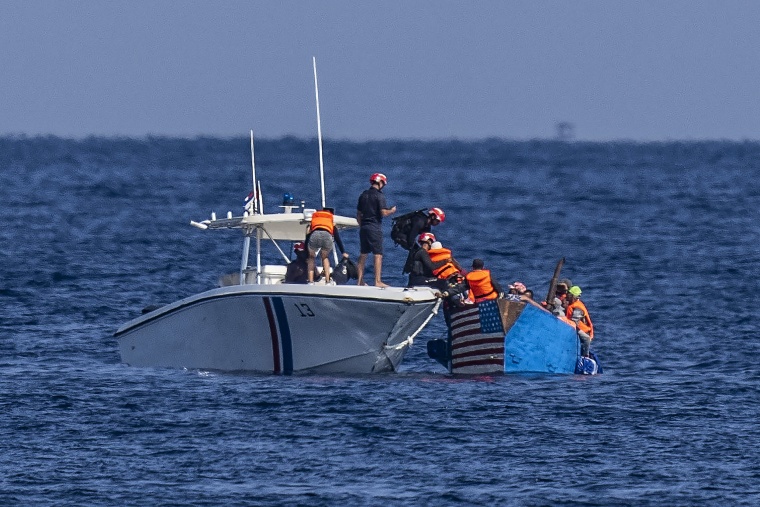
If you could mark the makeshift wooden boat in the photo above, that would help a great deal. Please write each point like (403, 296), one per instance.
(504, 336)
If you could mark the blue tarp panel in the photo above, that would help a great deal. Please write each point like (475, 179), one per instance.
(539, 342)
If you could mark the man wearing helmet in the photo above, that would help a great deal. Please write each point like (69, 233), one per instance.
(370, 210)
(423, 268)
(434, 216)
(421, 222)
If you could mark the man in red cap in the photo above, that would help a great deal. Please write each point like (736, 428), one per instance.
(298, 269)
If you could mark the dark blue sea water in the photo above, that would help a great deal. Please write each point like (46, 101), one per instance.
(663, 239)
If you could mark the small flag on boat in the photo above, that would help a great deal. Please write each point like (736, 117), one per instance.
(249, 201)
(477, 339)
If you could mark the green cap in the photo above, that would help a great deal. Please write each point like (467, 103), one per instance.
(575, 290)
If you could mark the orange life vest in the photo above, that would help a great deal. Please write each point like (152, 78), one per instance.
(448, 269)
(322, 220)
(585, 323)
(481, 288)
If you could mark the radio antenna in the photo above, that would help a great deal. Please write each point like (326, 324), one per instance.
(255, 197)
(319, 133)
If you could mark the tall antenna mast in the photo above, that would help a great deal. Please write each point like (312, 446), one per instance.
(319, 133)
(253, 169)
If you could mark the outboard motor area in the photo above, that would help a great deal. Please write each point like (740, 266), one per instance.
(588, 365)
(439, 350)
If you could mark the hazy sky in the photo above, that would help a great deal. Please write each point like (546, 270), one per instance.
(642, 70)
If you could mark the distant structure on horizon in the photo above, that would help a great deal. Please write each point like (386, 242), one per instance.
(565, 131)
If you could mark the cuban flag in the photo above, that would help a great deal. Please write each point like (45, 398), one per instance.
(477, 339)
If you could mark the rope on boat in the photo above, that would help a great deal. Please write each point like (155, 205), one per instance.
(409, 341)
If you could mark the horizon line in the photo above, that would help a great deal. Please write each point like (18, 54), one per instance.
(283, 137)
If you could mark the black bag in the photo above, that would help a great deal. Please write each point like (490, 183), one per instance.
(353, 271)
(402, 225)
(344, 271)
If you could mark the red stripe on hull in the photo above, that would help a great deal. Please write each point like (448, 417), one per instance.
(478, 362)
(474, 321)
(481, 341)
(497, 351)
(471, 332)
(273, 331)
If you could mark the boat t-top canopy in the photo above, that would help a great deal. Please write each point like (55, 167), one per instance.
(276, 226)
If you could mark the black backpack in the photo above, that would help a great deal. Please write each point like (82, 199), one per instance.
(344, 271)
(402, 225)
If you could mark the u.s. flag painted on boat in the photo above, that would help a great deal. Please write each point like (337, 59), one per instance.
(477, 339)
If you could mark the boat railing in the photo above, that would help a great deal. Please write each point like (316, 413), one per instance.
(270, 275)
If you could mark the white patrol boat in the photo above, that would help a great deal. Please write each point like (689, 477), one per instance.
(255, 322)
(261, 324)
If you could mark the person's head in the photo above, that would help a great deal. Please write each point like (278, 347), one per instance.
(574, 293)
(379, 180)
(436, 216)
(517, 288)
(425, 240)
(299, 248)
(477, 264)
(329, 210)
(456, 278)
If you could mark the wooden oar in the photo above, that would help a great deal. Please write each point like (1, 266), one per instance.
(553, 286)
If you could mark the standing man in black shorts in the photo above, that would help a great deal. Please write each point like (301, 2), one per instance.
(369, 213)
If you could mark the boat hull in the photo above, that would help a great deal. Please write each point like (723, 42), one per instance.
(510, 337)
(281, 330)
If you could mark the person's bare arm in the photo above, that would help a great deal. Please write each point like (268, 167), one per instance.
(388, 211)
